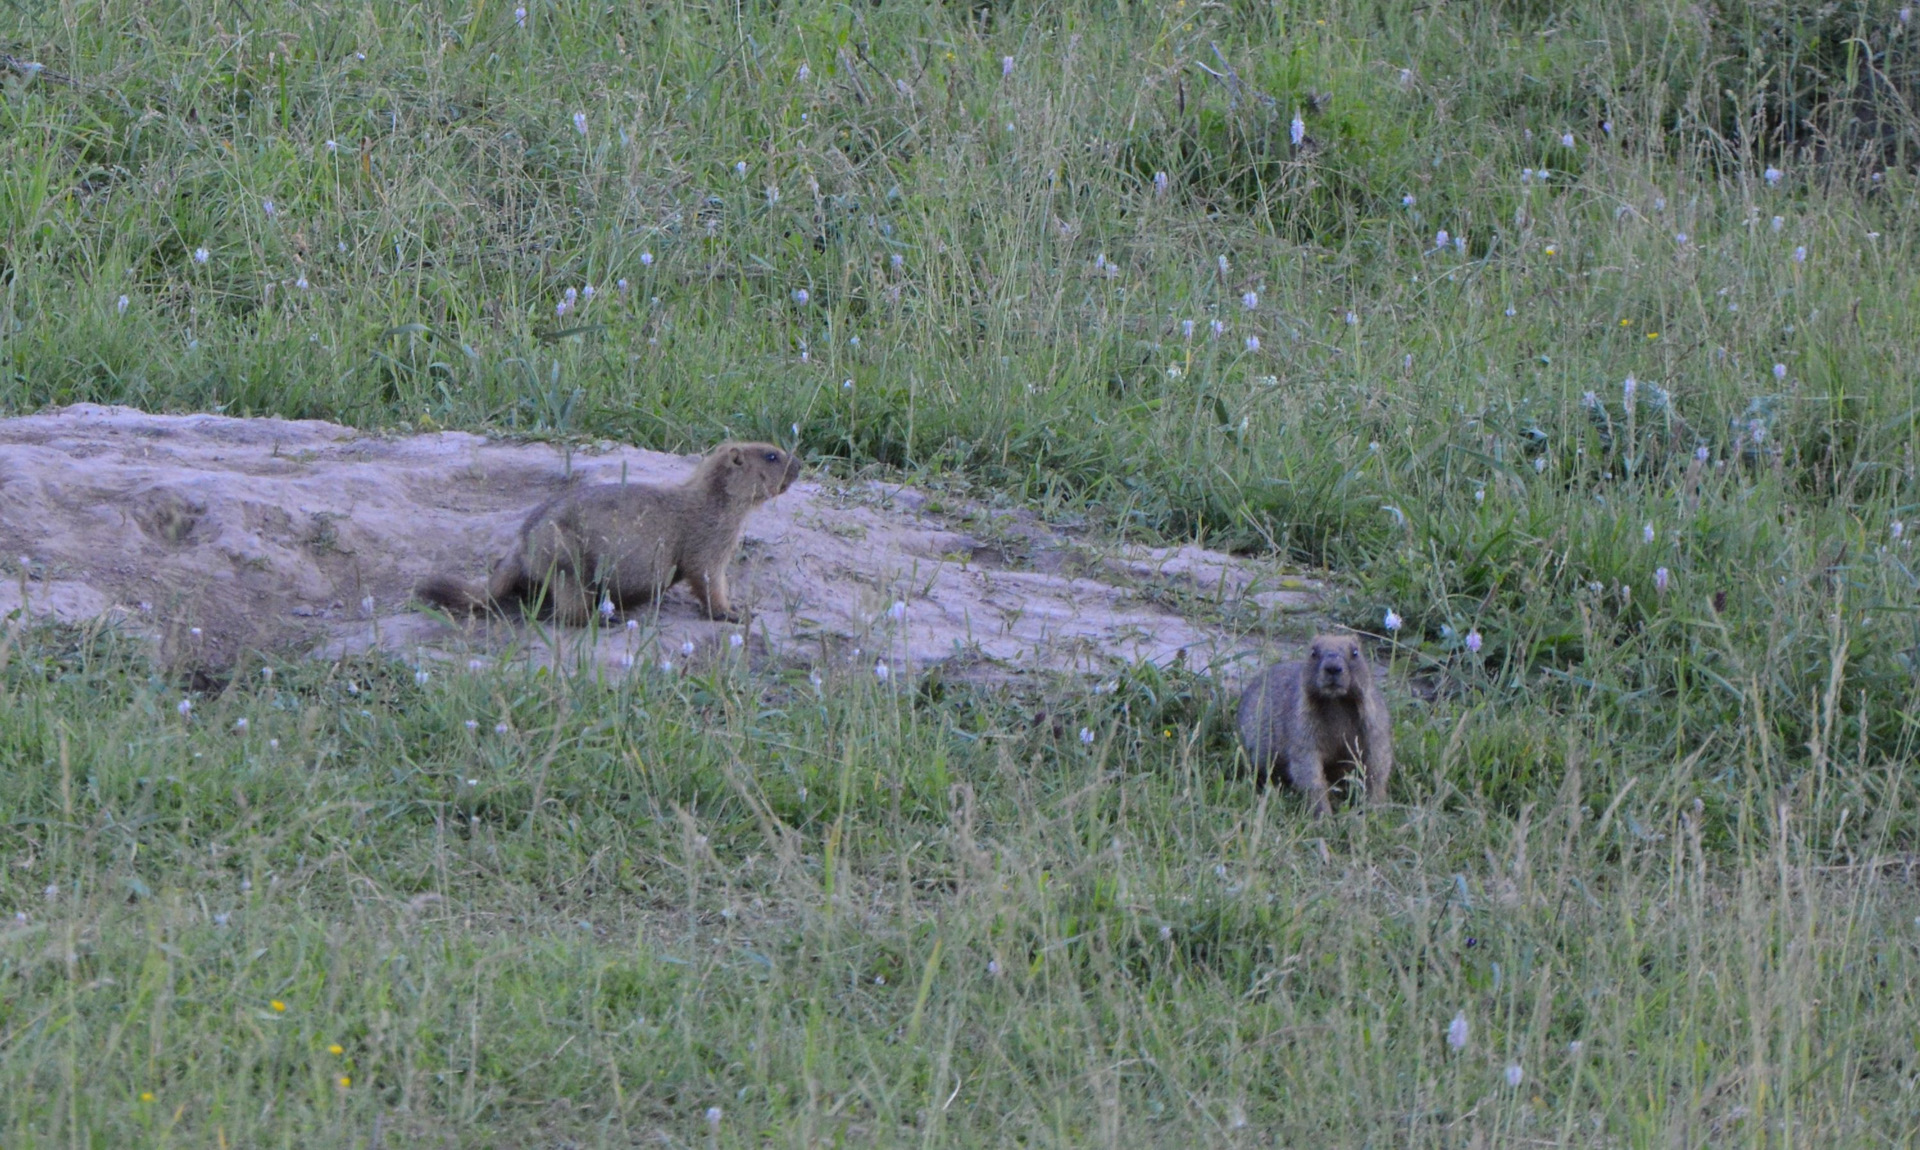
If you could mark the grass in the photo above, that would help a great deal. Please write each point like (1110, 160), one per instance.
(1652, 840)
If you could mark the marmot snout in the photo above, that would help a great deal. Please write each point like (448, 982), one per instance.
(1330, 677)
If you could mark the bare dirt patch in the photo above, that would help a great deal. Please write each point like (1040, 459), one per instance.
(214, 536)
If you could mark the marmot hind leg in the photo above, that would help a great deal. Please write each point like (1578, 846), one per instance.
(453, 595)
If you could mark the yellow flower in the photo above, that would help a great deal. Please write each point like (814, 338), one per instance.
(278, 1006)
(1653, 335)
(146, 1096)
(1551, 251)
(345, 1081)
(336, 1049)
(1626, 323)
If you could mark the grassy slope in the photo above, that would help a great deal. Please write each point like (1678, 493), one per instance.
(1654, 822)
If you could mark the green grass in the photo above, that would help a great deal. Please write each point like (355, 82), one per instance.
(1672, 824)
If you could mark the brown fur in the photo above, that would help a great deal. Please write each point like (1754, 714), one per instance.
(1314, 722)
(628, 543)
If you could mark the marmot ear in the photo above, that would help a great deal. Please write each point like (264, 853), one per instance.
(738, 456)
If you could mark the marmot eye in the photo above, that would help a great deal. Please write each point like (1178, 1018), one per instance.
(773, 457)
(1356, 653)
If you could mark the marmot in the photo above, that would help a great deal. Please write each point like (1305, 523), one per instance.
(1314, 722)
(628, 542)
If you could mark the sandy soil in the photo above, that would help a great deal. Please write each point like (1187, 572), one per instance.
(214, 536)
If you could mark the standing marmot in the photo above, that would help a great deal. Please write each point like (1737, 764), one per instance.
(628, 542)
(1314, 722)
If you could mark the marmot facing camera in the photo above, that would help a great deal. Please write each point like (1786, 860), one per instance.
(1316, 721)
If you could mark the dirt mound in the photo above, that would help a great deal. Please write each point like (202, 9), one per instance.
(213, 536)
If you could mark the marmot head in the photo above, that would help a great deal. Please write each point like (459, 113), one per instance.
(754, 472)
(1335, 667)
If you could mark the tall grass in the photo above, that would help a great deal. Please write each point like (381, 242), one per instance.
(1659, 808)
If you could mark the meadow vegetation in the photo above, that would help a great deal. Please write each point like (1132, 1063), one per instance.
(1579, 337)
